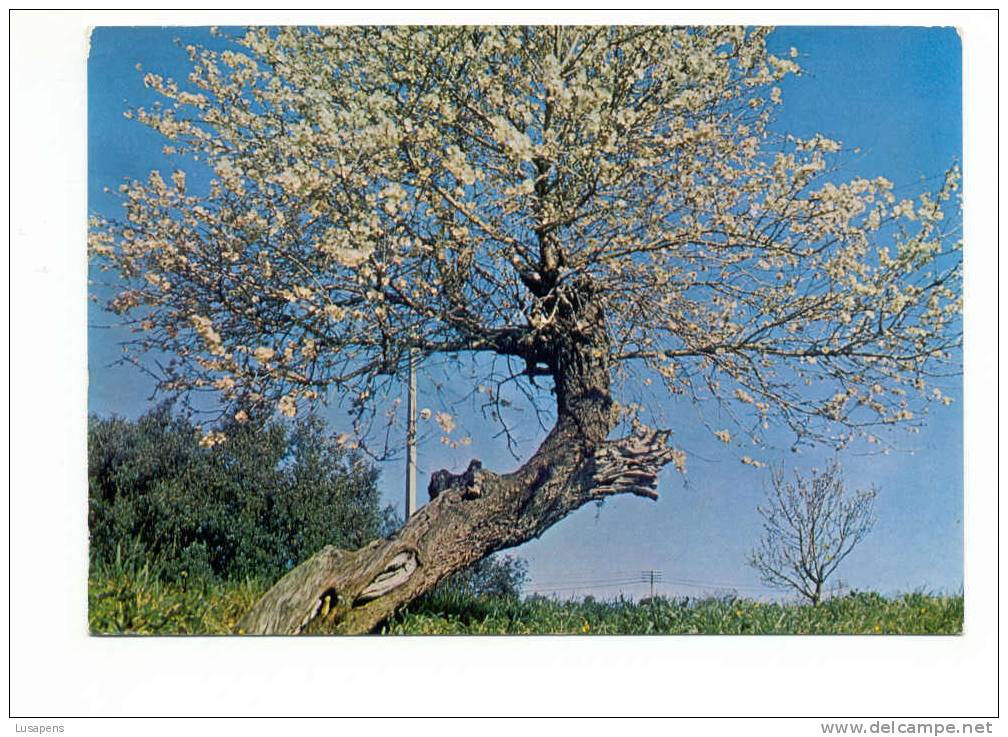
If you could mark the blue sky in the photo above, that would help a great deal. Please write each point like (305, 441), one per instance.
(893, 92)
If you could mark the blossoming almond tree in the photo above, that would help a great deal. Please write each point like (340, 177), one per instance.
(607, 208)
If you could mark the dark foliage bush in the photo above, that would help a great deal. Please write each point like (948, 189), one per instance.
(251, 507)
(494, 576)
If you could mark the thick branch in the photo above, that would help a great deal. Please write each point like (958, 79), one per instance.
(470, 515)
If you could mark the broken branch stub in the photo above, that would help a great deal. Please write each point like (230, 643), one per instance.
(468, 481)
(631, 465)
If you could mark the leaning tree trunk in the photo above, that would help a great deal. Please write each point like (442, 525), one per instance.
(478, 512)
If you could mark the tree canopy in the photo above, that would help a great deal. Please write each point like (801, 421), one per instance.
(455, 189)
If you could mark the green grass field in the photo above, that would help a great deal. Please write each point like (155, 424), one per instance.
(864, 613)
(137, 603)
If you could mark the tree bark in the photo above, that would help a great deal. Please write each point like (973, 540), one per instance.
(476, 513)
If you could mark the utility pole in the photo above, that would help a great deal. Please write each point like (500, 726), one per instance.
(651, 576)
(411, 414)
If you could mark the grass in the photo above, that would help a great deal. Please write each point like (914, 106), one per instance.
(138, 602)
(863, 613)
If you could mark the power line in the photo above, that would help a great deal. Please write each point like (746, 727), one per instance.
(650, 577)
(582, 587)
(618, 577)
(715, 584)
(642, 576)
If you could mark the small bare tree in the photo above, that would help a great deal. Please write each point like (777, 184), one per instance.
(810, 525)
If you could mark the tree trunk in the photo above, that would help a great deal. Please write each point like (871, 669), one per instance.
(476, 513)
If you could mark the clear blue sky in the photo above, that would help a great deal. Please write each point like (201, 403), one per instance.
(893, 92)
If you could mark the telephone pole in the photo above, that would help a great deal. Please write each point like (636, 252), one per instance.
(411, 414)
(651, 576)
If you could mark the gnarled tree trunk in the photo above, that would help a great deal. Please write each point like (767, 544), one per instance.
(476, 513)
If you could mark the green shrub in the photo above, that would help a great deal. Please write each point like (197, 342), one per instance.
(495, 575)
(251, 507)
